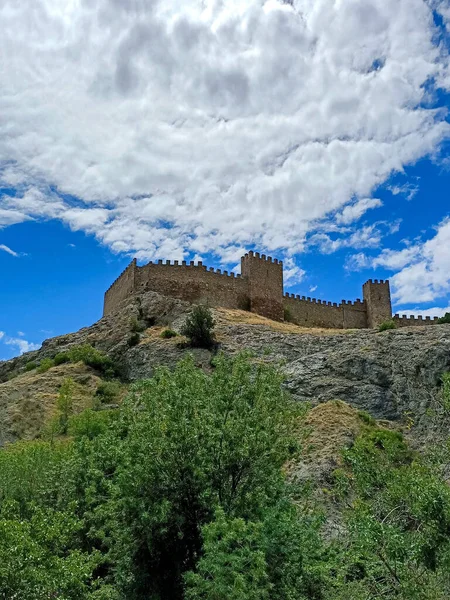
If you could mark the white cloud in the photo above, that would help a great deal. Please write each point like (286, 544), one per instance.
(292, 274)
(427, 312)
(313, 288)
(353, 212)
(202, 126)
(2, 334)
(21, 344)
(423, 272)
(8, 250)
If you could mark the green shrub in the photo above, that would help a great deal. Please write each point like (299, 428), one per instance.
(90, 423)
(198, 328)
(168, 333)
(94, 358)
(108, 390)
(386, 325)
(45, 365)
(30, 366)
(61, 358)
(366, 417)
(133, 339)
(445, 318)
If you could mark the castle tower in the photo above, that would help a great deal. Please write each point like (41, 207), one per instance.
(377, 295)
(265, 284)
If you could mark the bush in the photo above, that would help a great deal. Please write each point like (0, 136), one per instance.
(387, 325)
(90, 423)
(61, 358)
(30, 366)
(133, 339)
(45, 365)
(198, 328)
(94, 358)
(168, 333)
(108, 391)
(445, 318)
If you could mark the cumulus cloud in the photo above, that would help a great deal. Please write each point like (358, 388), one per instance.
(422, 269)
(171, 127)
(427, 312)
(20, 344)
(8, 250)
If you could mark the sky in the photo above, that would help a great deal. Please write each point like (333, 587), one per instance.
(315, 131)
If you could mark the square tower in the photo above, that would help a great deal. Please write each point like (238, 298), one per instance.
(265, 284)
(377, 295)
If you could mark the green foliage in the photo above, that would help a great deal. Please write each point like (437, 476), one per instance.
(445, 318)
(34, 559)
(45, 365)
(386, 325)
(198, 328)
(168, 333)
(133, 339)
(30, 366)
(64, 404)
(366, 418)
(61, 358)
(180, 494)
(90, 423)
(234, 563)
(398, 544)
(94, 358)
(108, 391)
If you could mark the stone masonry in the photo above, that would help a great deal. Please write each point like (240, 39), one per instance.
(258, 289)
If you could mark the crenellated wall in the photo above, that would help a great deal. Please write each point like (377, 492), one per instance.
(260, 290)
(311, 312)
(405, 321)
(194, 283)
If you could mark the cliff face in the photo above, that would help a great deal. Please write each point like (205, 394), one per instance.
(393, 375)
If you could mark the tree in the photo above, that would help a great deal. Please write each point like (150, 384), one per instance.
(198, 327)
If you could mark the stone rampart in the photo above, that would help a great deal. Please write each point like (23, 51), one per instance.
(121, 288)
(406, 321)
(194, 283)
(311, 312)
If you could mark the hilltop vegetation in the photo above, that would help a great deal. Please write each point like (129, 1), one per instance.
(187, 491)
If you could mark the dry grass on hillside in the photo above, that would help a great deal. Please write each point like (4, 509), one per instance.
(226, 316)
(28, 401)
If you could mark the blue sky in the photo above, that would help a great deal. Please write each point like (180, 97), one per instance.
(315, 132)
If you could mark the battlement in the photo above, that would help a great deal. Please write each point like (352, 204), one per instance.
(259, 256)
(412, 321)
(258, 288)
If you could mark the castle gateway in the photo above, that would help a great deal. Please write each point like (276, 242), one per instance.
(258, 289)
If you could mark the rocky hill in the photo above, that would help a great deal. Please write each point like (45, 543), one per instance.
(392, 375)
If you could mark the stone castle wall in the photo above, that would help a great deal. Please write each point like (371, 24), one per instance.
(405, 321)
(317, 313)
(194, 283)
(259, 289)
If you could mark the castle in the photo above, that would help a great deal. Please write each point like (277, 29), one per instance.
(258, 289)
